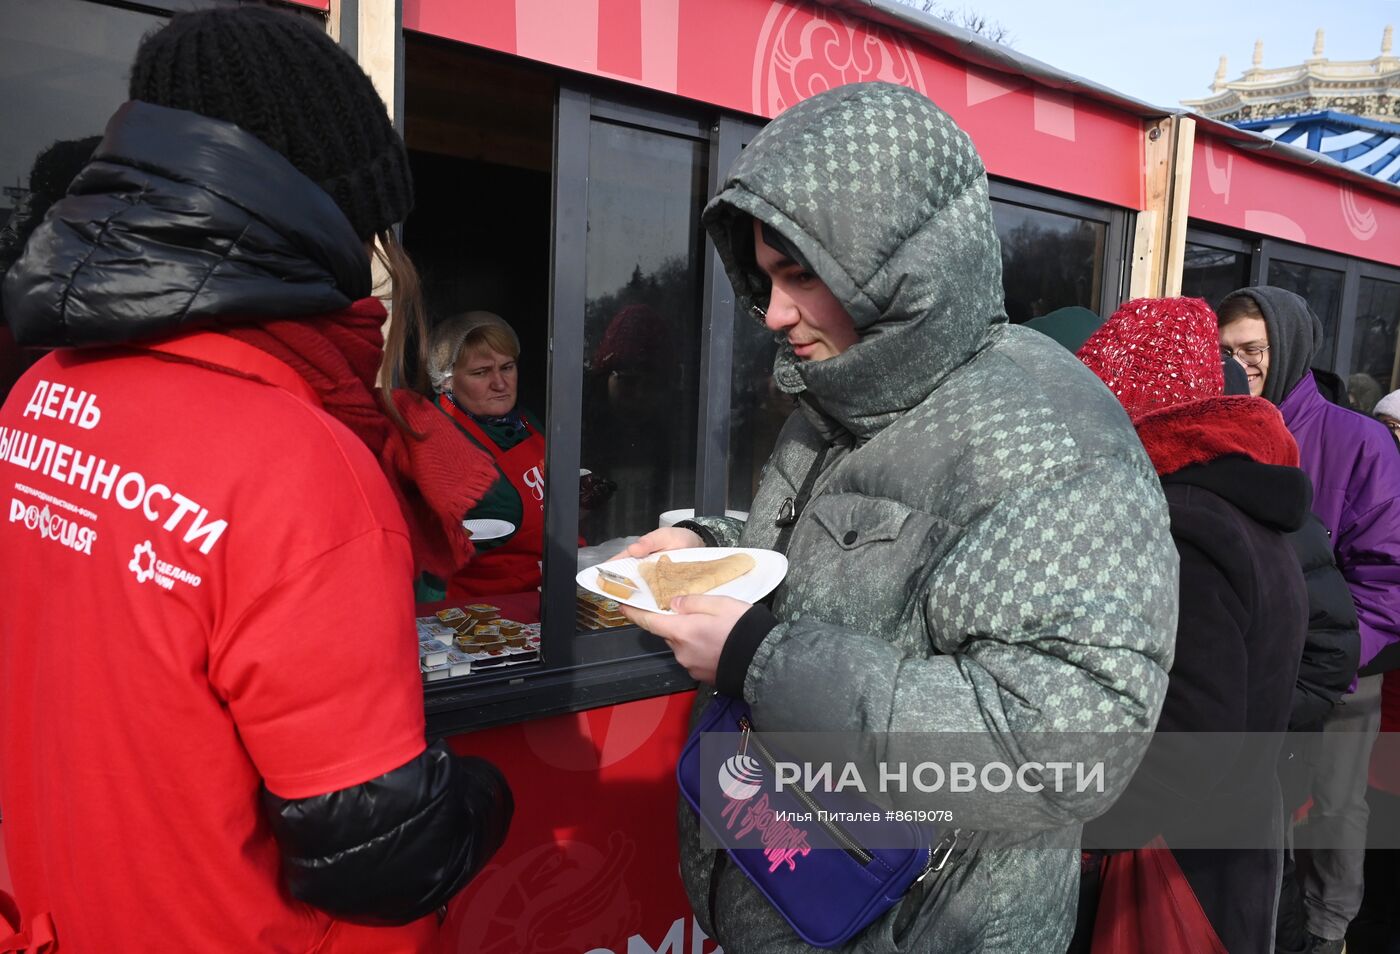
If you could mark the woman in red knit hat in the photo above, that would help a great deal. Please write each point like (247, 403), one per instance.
(1229, 471)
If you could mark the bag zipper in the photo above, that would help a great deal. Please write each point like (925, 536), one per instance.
(837, 833)
(939, 854)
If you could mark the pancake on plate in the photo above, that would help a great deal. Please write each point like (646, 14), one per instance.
(667, 578)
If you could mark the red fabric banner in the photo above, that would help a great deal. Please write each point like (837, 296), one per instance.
(761, 56)
(1259, 194)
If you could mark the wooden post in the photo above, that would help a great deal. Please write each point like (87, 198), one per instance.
(378, 47)
(1184, 152)
(1159, 242)
(369, 29)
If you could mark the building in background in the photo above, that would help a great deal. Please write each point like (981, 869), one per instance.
(1347, 110)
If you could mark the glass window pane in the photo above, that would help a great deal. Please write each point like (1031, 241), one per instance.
(1048, 260)
(1373, 370)
(65, 72)
(1322, 287)
(757, 409)
(480, 136)
(645, 252)
(1213, 273)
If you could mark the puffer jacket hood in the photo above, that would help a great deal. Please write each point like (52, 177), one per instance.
(1295, 335)
(915, 262)
(180, 220)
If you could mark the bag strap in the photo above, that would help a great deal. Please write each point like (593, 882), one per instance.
(716, 869)
(792, 507)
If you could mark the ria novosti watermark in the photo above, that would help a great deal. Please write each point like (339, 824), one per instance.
(932, 777)
(1198, 790)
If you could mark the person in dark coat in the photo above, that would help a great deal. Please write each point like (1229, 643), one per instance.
(1228, 467)
(1333, 644)
(1356, 479)
(1328, 666)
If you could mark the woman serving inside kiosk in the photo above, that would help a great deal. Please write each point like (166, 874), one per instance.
(472, 363)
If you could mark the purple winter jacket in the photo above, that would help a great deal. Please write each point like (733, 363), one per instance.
(1355, 471)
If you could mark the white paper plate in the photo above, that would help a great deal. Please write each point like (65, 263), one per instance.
(769, 569)
(488, 529)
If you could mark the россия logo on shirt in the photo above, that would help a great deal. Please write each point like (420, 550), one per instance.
(58, 527)
(147, 567)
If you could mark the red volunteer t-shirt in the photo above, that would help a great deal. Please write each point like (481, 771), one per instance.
(207, 590)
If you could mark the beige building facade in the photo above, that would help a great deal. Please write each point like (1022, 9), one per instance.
(1366, 88)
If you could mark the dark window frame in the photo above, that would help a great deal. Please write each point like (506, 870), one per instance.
(1117, 253)
(1264, 250)
(1225, 242)
(1277, 250)
(580, 669)
(1237, 244)
(728, 136)
(1364, 270)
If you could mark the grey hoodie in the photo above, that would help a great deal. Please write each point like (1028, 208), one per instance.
(1295, 334)
(986, 552)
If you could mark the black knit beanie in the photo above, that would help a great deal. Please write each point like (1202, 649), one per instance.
(288, 83)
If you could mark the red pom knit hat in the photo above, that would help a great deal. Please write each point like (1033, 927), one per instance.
(1156, 352)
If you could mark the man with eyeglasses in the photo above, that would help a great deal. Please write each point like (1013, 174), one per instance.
(1355, 471)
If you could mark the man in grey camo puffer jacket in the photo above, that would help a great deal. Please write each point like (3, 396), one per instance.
(985, 552)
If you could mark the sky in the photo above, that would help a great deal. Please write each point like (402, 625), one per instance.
(1168, 50)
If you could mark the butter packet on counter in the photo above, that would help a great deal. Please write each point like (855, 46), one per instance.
(437, 673)
(483, 612)
(430, 627)
(459, 663)
(432, 653)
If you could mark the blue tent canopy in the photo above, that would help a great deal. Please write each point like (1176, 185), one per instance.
(1367, 146)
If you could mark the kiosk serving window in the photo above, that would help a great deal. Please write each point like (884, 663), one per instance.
(1214, 266)
(1057, 251)
(572, 208)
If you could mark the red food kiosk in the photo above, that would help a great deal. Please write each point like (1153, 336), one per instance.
(563, 151)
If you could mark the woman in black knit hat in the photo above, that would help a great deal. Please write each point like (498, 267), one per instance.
(217, 516)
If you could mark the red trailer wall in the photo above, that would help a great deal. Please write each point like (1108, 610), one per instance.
(590, 865)
(1233, 187)
(761, 56)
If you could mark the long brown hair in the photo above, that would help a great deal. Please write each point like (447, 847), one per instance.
(406, 346)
